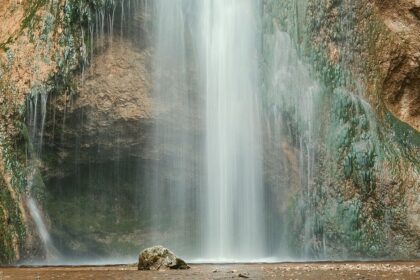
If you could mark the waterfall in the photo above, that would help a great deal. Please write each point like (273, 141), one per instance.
(233, 196)
(37, 114)
(257, 105)
(294, 95)
(175, 176)
(50, 251)
(206, 69)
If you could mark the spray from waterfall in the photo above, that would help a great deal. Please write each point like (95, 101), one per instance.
(294, 95)
(176, 173)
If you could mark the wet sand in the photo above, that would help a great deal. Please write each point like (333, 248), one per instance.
(305, 271)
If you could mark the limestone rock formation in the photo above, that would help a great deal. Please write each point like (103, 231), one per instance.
(32, 53)
(158, 257)
(384, 35)
(43, 48)
(110, 107)
(399, 58)
(365, 53)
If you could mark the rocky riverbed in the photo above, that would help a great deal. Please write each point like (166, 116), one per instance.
(305, 271)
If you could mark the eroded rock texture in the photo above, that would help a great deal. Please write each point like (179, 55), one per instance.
(364, 163)
(399, 59)
(377, 41)
(43, 47)
(109, 113)
(31, 46)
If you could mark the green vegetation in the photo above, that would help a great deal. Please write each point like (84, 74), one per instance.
(12, 230)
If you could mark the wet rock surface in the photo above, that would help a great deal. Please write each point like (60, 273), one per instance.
(32, 51)
(363, 59)
(158, 257)
(379, 47)
(110, 114)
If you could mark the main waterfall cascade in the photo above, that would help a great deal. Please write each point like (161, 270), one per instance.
(232, 220)
(224, 37)
(233, 197)
(205, 187)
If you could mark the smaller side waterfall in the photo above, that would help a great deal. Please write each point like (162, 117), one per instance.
(39, 222)
(50, 250)
(37, 114)
(291, 126)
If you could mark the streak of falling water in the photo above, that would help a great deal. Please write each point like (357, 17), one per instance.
(218, 38)
(233, 198)
(37, 126)
(174, 179)
(296, 95)
(50, 250)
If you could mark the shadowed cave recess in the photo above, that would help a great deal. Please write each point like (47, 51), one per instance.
(226, 130)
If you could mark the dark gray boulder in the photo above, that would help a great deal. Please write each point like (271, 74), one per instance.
(159, 257)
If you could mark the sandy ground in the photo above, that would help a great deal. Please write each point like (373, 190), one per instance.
(305, 271)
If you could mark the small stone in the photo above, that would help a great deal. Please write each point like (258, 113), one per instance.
(159, 258)
(240, 275)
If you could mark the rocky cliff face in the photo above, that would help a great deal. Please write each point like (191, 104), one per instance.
(364, 174)
(109, 113)
(384, 37)
(378, 48)
(399, 58)
(43, 45)
(30, 47)
(94, 144)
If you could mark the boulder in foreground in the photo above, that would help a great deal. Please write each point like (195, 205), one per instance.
(158, 257)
